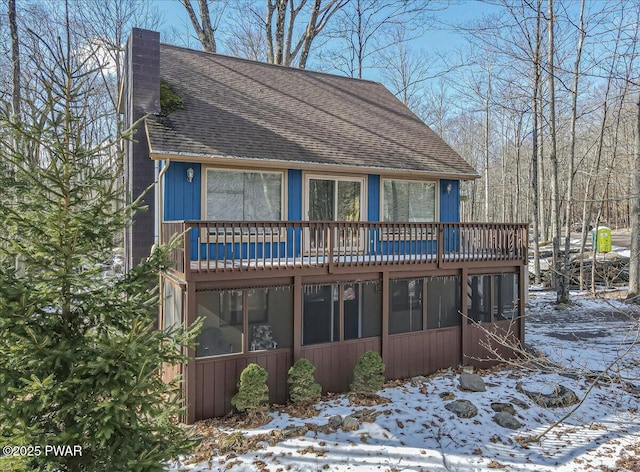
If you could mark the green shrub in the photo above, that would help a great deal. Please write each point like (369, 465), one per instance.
(367, 375)
(253, 393)
(302, 385)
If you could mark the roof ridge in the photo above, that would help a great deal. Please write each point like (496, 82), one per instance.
(268, 64)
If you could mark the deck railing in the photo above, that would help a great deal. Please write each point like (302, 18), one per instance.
(224, 246)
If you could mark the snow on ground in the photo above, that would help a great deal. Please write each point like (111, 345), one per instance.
(415, 432)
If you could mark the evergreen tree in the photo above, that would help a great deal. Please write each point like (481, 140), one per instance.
(368, 376)
(303, 387)
(253, 393)
(80, 357)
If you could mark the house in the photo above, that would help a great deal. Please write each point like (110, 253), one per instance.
(321, 220)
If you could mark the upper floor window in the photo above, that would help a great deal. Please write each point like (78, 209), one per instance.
(238, 195)
(409, 200)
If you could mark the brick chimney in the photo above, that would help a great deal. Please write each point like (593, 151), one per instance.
(141, 96)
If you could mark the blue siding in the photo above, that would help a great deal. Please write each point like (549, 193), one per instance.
(294, 191)
(373, 205)
(182, 198)
(450, 203)
(182, 201)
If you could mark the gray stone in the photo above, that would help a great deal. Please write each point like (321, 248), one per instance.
(335, 421)
(472, 382)
(561, 397)
(508, 407)
(350, 424)
(418, 381)
(462, 408)
(507, 420)
(519, 403)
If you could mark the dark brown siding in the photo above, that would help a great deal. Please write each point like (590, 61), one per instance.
(423, 352)
(217, 379)
(334, 362)
(477, 338)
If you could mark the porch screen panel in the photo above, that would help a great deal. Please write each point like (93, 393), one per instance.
(405, 313)
(270, 312)
(362, 310)
(222, 329)
(172, 306)
(320, 314)
(479, 298)
(243, 196)
(406, 200)
(505, 305)
(443, 302)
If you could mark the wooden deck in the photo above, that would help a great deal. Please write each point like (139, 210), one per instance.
(213, 249)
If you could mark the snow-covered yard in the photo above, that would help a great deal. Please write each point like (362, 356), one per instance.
(414, 431)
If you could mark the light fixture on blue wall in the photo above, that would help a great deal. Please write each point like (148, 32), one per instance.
(190, 174)
(448, 188)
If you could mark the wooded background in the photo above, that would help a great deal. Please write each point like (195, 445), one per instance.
(541, 97)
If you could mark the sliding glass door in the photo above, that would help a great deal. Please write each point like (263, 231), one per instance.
(334, 199)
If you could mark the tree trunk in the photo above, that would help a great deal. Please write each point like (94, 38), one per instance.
(534, 153)
(486, 151)
(15, 63)
(634, 263)
(563, 289)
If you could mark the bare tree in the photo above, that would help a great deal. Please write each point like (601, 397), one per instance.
(282, 47)
(203, 26)
(634, 266)
(563, 286)
(366, 29)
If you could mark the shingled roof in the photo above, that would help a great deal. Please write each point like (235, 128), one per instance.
(245, 109)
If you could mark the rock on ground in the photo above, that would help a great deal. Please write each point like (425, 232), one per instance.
(561, 397)
(350, 424)
(508, 407)
(507, 420)
(462, 408)
(472, 382)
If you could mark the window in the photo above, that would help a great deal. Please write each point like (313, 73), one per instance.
(409, 200)
(235, 195)
(443, 302)
(479, 298)
(405, 314)
(334, 199)
(505, 304)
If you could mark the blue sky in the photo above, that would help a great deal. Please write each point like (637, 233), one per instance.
(441, 39)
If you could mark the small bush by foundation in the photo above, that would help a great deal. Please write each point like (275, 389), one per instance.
(368, 376)
(303, 389)
(253, 394)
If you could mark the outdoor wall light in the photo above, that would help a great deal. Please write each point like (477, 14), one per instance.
(189, 174)
(447, 189)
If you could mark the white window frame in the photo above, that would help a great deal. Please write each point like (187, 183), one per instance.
(436, 211)
(283, 185)
(363, 192)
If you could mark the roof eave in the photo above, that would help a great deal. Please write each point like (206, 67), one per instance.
(241, 161)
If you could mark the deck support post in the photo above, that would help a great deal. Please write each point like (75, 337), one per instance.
(189, 372)
(384, 347)
(297, 317)
(523, 287)
(464, 274)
